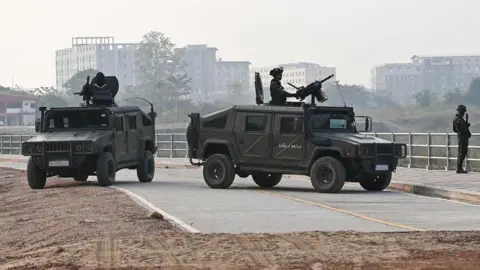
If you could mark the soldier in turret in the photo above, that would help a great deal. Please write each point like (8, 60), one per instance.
(277, 92)
(462, 128)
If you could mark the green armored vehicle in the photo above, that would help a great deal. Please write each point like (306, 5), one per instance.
(265, 141)
(94, 139)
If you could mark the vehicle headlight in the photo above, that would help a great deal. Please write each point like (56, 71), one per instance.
(401, 150)
(27, 148)
(89, 147)
(79, 147)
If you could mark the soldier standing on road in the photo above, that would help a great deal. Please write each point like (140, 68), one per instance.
(461, 127)
(277, 92)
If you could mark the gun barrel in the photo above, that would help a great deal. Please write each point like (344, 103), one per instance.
(327, 78)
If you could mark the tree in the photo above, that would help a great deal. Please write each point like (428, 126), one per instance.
(76, 82)
(453, 97)
(235, 89)
(161, 72)
(473, 92)
(425, 98)
(50, 97)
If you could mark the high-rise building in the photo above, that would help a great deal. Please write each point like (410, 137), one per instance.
(100, 53)
(433, 72)
(228, 73)
(200, 61)
(298, 74)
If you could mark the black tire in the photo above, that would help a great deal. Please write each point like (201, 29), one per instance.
(328, 169)
(264, 179)
(81, 178)
(36, 177)
(218, 171)
(106, 169)
(376, 182)
(146, 168)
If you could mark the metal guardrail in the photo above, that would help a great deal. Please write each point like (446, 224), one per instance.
(425, 150)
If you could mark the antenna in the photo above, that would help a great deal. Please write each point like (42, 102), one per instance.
(337, 83)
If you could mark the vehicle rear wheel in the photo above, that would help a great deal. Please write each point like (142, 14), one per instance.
(218, 171)
(328, 175)
(376, 182)
(81, 178)
(264, 179)
(146, 168)
(106, 169)
(36, 177)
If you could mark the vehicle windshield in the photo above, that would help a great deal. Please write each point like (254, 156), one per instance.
(67, 120)
(332, 122)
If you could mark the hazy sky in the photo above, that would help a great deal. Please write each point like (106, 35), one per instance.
(352, 35)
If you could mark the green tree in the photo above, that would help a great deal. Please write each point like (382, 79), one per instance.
(425, 98)
(50, 97)
(472, 96)
(453, 97)
(76, 82)
(160, 72)
(235, 89)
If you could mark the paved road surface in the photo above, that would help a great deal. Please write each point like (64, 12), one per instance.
(293, 206)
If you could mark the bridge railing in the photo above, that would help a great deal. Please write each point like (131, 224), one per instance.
(424, 150)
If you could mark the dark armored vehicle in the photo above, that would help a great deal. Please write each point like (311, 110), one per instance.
(267, 141)
(93, 139)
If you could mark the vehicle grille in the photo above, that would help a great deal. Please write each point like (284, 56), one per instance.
(57, 146)
(384, 149)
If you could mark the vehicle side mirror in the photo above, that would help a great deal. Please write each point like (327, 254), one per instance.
(368, 124)
(38, 123)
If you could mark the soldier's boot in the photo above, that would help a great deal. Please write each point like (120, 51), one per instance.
(460, 169)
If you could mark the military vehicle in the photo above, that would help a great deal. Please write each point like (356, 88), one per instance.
(299, 138)
(93, 139)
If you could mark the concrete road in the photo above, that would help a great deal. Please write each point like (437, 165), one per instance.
(292, 206)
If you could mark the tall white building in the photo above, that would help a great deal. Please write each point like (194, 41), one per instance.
(100, 53)
(298, 74)
(433, 72)
(228, 73)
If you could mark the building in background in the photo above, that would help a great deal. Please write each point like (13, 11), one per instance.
(100, 53)
(17, 110)
(298, 74)
(228, 73)
(438, 74)
(200, 60)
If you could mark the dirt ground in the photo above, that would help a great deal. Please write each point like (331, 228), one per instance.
(72, 225)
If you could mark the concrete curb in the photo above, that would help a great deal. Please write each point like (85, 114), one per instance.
(450, 194)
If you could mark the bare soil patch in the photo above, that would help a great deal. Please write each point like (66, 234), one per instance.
(73, 225)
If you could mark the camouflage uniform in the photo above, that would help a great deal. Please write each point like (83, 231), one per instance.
(461, 127)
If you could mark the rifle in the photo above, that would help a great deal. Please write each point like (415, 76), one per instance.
(466, 117)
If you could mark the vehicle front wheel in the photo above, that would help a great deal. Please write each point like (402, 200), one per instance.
(36, 177)
(264, 179)
(81, 178)
(376, 182)
(218, 171)
(328, 175)
(146, 168)
(106, 169)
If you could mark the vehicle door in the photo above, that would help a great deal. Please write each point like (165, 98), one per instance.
(133, 137)
(289, 140)
(253, 135)
(120, 138)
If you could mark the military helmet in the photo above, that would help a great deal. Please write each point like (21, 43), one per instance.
(276, 71)
(100, 78)
(461, 108)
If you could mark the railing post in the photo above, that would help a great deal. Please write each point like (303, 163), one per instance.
(392, 135)
(466, 161)
(428, 150)
(21, 141)
(171, 144)
(410, 139)
(447, 143)
(10, 148)
(1, 146)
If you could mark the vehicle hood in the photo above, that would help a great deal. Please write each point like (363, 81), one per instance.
(80, 135)
(354, 138)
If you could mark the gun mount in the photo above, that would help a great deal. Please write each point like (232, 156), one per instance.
(100, 95)
(314, 90)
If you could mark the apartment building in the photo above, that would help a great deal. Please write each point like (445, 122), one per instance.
(298, 74)
(100, 53)
(228, 73)
(433, 72)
